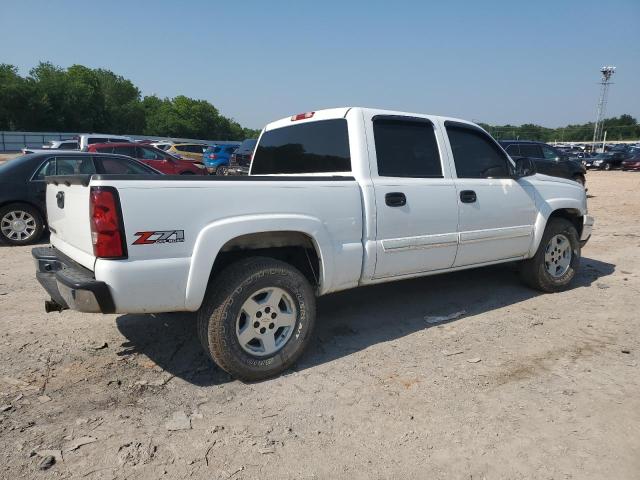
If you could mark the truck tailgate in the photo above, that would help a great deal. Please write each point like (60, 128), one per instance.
(68, 218)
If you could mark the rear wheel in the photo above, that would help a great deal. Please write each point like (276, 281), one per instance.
(257, 318)
(556, 262)
(20, 224)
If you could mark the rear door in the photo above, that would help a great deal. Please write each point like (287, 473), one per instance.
(496, 212)
(415, 196)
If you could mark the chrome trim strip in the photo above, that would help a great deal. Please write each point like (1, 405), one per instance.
(506, 233)
(420, 242)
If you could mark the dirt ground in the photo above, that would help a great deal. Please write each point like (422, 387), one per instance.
(521, 385)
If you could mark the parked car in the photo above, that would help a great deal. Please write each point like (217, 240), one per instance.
(218, 156)
(548, 159)
(163, 145)
(22, 187)
(632, 163)
(188, 151)
(336, 199)
(90, 138)
(240, 160)
(154, 157)
(606, 161)
(62, 145)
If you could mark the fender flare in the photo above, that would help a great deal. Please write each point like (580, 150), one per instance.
(545, 211)
(215, 235)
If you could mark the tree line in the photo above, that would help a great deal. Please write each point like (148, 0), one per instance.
(624, 127)
(82, 99)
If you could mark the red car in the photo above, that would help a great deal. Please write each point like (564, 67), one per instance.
(632, 163)
(152, 156)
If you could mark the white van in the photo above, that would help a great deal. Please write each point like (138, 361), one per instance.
(90, 138)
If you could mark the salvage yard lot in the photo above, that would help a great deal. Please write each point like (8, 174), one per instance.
(520, 385)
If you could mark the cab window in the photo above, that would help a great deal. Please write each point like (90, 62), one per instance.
(475, 154)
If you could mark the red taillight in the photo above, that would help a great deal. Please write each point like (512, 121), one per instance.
(213, 156)
(302, 116)
(107, 234)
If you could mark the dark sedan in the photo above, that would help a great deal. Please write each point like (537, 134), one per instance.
(632, 163)
(240, 160)
(22, 187)
(606, 161)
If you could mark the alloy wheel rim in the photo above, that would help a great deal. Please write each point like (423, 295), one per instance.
(18, 225)
(266, 321)
(557, 255)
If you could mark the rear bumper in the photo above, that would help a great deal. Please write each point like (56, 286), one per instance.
(587, 229)
(70, 285)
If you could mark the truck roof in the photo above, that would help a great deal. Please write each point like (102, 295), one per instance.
(341, 112)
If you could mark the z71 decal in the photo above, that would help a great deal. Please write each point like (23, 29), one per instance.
(160, 236)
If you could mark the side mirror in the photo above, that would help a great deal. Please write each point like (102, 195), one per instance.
(525, 167)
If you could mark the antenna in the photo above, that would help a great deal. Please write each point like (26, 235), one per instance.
(607, 72)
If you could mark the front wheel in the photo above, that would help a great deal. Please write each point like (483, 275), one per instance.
(257, 318)
(20, 224)
(556, 261)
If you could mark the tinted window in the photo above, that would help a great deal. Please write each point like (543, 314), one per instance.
(247, 146)
(406, 148)
(475, 154)
(92, 140)
(118, 140)
(68, 145)
(74, 166)
(217, 149)
(513, 150)
(314, 147)
(49, 168)
(530, 150)
(230, 149)
(549, 153)
(149, 154)
(104, 149)
(128, 151)
(121, 166)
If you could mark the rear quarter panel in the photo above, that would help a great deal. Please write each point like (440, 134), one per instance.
(174, 275)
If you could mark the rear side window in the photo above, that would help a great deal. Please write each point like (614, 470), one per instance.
(92, 140)
(118, 140)
(112, 165)
(475, 154)
(74, 166)
(69, 145)
(104, 149)
(316, 147)
(149, 154)
(230, 149)
(49, 168)
(217, 149)
(530, 150)
(406, 148)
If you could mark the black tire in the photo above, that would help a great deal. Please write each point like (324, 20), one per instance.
(580, 179)
(534, 272)
(221, 309)
(607, 166)
(28, 209)
(187, 173)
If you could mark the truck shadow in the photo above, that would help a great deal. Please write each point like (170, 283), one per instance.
(347, 321)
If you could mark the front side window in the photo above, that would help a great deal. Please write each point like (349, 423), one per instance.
(531, 150)
(513, 150)
(129, 151)
(314, 147)
(149, 154)
(406, 148)
(476, 155)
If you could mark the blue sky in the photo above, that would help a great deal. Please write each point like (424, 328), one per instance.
(491, 61)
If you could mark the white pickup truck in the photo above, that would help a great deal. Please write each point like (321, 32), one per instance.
(336, 199)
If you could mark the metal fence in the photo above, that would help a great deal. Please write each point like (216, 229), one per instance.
(16, 141)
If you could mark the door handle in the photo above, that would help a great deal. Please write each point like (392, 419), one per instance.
(60, 199)
(395, 199)
(468, 196)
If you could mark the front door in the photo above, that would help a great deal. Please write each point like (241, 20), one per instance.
(417, 211)
(496, 212)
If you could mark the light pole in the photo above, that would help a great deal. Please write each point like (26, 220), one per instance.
(607, 72)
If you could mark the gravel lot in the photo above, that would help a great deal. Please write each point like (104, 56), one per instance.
(521, 385)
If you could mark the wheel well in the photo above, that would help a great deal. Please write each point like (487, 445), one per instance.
(572, 215)
(295, 248)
